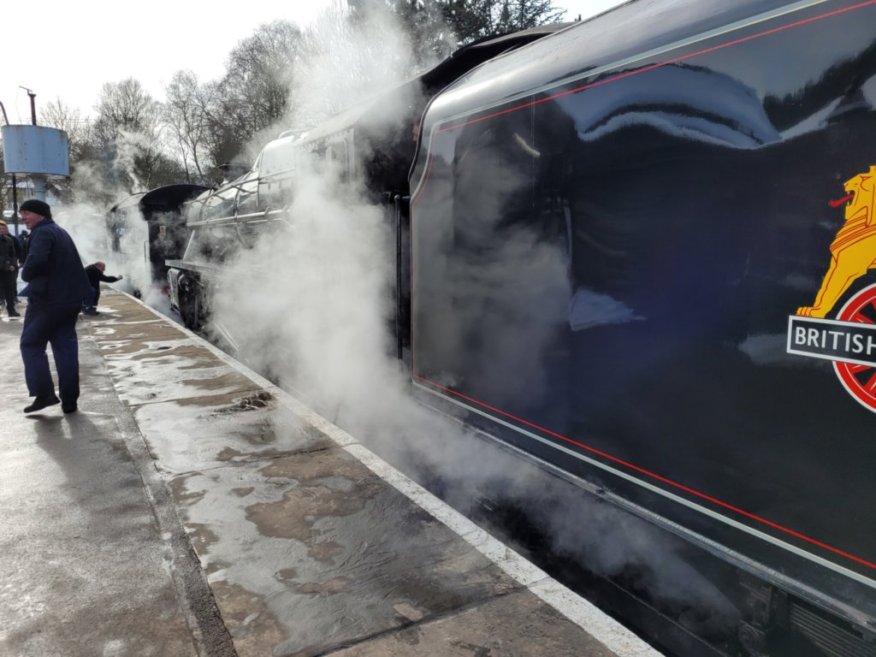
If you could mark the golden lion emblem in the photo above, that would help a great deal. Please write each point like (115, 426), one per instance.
(853, 250)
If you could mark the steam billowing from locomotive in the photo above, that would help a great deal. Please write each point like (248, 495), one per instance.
(575, 255)
(311, 302)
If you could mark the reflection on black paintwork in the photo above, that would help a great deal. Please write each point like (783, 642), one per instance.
(611, 264)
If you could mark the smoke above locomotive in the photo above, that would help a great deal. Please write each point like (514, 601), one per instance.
(587, 247)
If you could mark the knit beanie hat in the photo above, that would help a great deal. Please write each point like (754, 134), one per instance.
(37, 207)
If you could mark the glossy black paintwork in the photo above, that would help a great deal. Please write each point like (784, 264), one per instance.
(609, 263)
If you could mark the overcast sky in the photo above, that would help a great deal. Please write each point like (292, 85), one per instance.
(68, 50)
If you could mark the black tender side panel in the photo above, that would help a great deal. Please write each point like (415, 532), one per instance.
(660, 276)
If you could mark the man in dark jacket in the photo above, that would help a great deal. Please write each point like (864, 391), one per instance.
(57, 286)
(95, 275)
(10, 255)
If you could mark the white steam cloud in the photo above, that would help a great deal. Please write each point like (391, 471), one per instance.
(125, 255)
(313, 291)
(310, 304)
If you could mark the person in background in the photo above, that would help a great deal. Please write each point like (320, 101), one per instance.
(57, 287)
(10, 257)
(23, 240)
(95, 275)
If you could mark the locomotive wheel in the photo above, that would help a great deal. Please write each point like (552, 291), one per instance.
(859, 380)
(190, 309)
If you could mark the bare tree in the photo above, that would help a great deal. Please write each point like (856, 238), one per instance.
(129, 139)
(254, 93)
(125, 106)
(79, 129)
(186, 115)
(57, 114)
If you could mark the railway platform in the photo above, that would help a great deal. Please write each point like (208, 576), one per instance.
(191, 507)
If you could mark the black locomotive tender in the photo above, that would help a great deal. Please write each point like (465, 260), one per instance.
(616, 239)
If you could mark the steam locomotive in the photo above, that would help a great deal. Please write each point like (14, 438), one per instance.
(149, 223)
(639, 250)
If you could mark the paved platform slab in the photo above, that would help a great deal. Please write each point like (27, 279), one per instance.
(485, 630)
(85, 568)
(332, 552)
(306, 543)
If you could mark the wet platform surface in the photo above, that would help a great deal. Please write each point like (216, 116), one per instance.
(306, 542)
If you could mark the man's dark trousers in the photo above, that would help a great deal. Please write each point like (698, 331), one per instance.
(9, 289)
(55, 325)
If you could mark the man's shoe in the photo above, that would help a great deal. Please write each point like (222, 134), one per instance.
(40, 403)
(15, 314)
(69, 408)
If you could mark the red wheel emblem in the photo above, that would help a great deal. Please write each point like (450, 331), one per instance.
(859, 380)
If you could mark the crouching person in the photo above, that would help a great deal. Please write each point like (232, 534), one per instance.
(95, 273)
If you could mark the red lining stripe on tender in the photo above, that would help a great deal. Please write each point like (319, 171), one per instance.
(653, 475)
(605, 455)
(675, 60)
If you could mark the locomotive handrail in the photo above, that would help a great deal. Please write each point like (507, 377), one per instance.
(221, 221)
(194, 266)
(255, 217)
